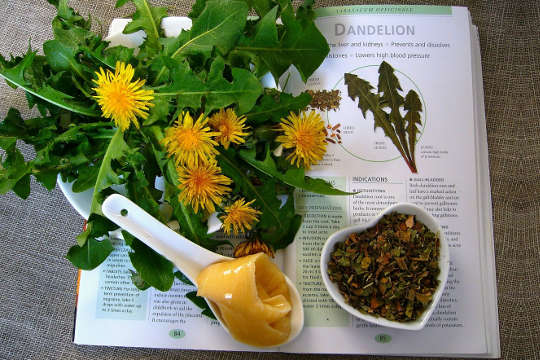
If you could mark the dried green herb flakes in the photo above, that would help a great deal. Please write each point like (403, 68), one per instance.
(389, 270)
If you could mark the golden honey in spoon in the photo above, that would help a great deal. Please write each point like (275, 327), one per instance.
(252, 297)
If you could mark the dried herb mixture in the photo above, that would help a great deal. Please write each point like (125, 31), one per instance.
(325, 100)
(389, 270)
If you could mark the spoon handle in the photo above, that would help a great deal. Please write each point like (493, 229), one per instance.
(187, 256)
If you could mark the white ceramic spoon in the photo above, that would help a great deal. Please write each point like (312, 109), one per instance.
(187, 256)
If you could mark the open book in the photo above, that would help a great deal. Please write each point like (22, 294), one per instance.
(432, 52)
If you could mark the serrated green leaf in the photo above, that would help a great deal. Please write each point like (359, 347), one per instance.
(7, 141)
(67, 13)
(413, 107)
(61, 57)
(360, 89)
(96, 227)
(22, 187)
(91, 254)
(294, 176)
(200, 302)
(219, 24)
(244, 89)
(47, 178)
(281, 238)
(152, 267)
(185, 87)
(389, 89)
(13, 125)
(300, 43)
(147, 18)
(189, 90)
(106, 175)
(74, 134)
(197, 300)
(69, 33)
(183, 278)
(159, 113)
(389, 86)
(86, 179)
(12, 170)
(15, 75)
(116, 53)
(275, 105)
(392, 124)
(140, 181)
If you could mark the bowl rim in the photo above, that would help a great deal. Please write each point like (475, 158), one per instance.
(444, 265)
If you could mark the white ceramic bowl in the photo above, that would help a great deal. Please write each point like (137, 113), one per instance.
(444, 264)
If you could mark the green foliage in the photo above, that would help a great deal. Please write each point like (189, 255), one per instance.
(106, 176)
(276, 105)
(16, 76)
(216, 92)
(402, 130)
(96, 228)
(13, 172)
(183, 278)
(91, 254)
(413, 107)
(219, 25)
(299, 43)
(153, 268)
(201, 303)
(216, 64)
(293, 176)
(278, 224)
(146, 18)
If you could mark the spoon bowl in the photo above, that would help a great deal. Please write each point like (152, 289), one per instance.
(187, 256)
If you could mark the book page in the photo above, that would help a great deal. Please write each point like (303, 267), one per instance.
(429, 49)
(112, 311)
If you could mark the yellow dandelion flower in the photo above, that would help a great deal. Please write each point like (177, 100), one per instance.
(251, 247)
(190, 142)
(305, 135)
(239, 217)
(202, 186)
(231, 127)
(121, 99)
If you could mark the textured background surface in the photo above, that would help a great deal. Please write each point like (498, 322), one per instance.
(37, 291)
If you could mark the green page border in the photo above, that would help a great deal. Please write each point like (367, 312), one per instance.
(384, 9)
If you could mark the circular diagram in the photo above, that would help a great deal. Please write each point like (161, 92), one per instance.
(358, 135)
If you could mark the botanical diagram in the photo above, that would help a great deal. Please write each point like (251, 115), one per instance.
(397, 113)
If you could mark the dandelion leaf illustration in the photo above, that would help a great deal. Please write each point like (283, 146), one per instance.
(413, 107)
(402, 130)
(367, 100)
(389, 89)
